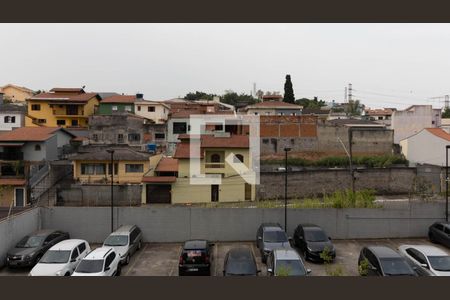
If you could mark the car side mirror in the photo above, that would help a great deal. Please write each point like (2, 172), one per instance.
(107, 268)
(270, 271)
(259, 237)
(308, 271)
(424, 265)
(329, 238)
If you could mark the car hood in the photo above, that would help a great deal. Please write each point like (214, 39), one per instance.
(320, 246)
(121, 250)
(272, 246)
(87, 274)
(441, 273)
(21, 251)
(46, 269)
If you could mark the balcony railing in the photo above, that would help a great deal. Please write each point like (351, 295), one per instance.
(211, 165)
(11, 155)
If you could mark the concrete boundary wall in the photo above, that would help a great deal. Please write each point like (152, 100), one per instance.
(177, 224)
(16, 227)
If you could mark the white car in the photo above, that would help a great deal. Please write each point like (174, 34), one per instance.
(61, 259)
(103, 261)
(427, 260)
(126, 240)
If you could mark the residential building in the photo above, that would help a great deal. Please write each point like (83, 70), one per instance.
(12, 116)
(445, 124)
(171, 182)
(62, 107)
(15, 93)
(322, 114)
(426, 147)
(118, 104)
(274, 108)
(382, 116)
(94, 167)
(413, 119)
(155, 111)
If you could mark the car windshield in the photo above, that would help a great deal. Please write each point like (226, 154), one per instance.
(30, 242)
(395, 266)
(90, 266)
(290, 267)
(315, 235)
(55, 257)
(116, 240)
(275, 237)
(440, 263)
(240, 264)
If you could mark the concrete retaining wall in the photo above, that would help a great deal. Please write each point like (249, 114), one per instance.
(176, 224)
(15, 228)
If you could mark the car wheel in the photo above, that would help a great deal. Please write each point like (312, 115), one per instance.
(127, 259)
(432, 239)
(67, 274)
(119, 270)
(139, 245)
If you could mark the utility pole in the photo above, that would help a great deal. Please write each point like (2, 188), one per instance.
(286, 150)
(112, 188)
(446, 97)
(350, 92)
(350, 142)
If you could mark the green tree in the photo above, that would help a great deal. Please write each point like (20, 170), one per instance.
(288, 91)
(199, 95)
(354, 108)
(233, 98)
(446, 113)
(310, 103)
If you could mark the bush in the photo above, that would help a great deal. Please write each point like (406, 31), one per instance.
(340, 199)
(363, 267)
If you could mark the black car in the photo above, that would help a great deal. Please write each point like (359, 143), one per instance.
(195, 258)
(312, 241)
(439, 232)
(30, 249)
(240, 262)
(383, 261)
(270, 236)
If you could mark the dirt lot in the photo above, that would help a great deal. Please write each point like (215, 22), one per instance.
(162, 259)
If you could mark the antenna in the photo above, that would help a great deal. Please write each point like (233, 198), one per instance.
(350, 92)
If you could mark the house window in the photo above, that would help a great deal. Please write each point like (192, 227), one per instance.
(42, 121)
(74, 123)
(7, 119)
(37, 147)
(134, 137)
(294, 114)
(60, 122)
(120, 138)
(114, 108)
(93, 169)
(219, 127)
(179, 127)
(139, 108)
(134, 168)
(215, 158)
(95, 137)
(151, 108)
(265, 141)
(116, 169)
(127, 108)
(13, 119)
(238, 158)
(256, 113)
(35, 107)
(160, 136)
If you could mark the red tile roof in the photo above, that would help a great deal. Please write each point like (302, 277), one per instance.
(159, 179)
(67, 90)
(274, 104)
(12, 181)
(29, 134)
(439, 133)
(183, 151)
(120, 99)
(211, 141)
(167, 164)
(66, 97)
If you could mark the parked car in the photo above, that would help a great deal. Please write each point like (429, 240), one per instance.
(271, 236)
(240, 262)
(195, 258)
(103, 261)
(427, 260)
(312, 241)
(439, 232)
(285, 262)
(126, 240)
(32, 247)
(383, 261)
(61, 259)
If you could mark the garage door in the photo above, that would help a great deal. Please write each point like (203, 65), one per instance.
(158, 193)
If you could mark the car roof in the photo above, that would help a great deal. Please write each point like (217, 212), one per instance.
(240, 253)
(383, 251)
(195, 244)
(67, 244)
(43, 232)
(427, 250)
(270, 224)
(443, 223)
(285, 254)
(310, 226)
(123, 229)
(99, 253)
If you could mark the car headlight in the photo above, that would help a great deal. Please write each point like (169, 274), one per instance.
(59, 273)
(309, 249)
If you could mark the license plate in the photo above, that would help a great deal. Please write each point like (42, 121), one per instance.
(193, 269)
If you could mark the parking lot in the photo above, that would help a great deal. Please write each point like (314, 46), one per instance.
(162, 259)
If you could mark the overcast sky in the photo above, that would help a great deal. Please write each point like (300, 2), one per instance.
(389, 65)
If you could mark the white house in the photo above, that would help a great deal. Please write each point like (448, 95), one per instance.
(413, 119)
(426, 147)
(152, 110)
(11, 116)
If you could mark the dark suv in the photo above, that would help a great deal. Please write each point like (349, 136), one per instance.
(312, 241)
(195, 258)
(271, 236)
(440, 233)
(31, 248)
(383, 261)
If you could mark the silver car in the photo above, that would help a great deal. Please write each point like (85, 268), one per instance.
(271, 236)
(427, 260)
(126, 240)
(285, 262)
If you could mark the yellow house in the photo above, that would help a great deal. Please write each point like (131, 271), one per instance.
(173, 181)
(95, 167)
(63, 107)
(16, 93)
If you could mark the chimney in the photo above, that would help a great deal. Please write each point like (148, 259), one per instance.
(1, 98)
(139, 96)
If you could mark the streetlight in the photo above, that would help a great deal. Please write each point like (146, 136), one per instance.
(286, 150)
(446, 182)
(112, 187)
